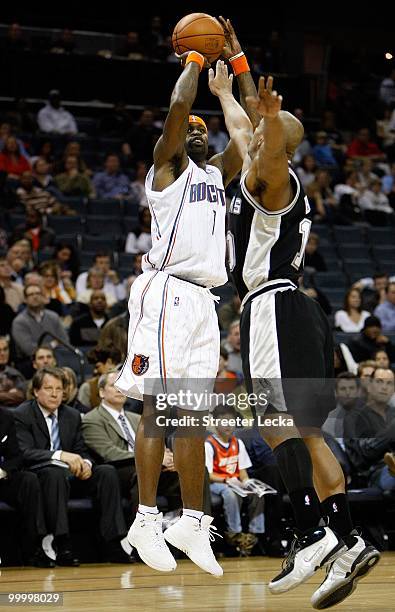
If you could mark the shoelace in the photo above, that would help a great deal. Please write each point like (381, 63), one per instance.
(211, 530)
(159, 541)
(295, 546)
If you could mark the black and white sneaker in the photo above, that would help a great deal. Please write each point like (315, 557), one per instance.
(343, 574)
(309, 551)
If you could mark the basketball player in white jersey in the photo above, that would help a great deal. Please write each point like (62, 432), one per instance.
(173, 332)
(286, 342)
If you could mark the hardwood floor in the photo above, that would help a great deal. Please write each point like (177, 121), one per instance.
(243, 588)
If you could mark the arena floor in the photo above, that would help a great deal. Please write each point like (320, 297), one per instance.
(92, 588)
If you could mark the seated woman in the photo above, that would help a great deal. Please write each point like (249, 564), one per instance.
(139, 241)
(59, 292)
(11, 159)
(95, 281)
(351, 318)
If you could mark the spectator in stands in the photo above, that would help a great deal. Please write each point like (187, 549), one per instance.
(41, 175)
(46, 151)
(111, 183)
(33, 229)
(95, 282)
(65, 43)
(389, 186)
(21, 118)
(375, 205)
(58, 437)
(386, 134)
(365, 175)
(112, 282)
(227, 381)
(15, 39)
(13, 291)
(307, 286)
(31, 323)
(387, 89)
(348, 399)
(55, 288)
(12, 382)
(110, 432)
(217, 138)
(37, 198)
(138, 185)
(381, 358)
(351, 318)
(386, 310)
(6, 132)
(54, 119)
(72, 182)
(85, 329)
(21, 489)
(365, 373)
(227, 462)
(131, 48)
(306, 170)
(11, 159)
(25, 246)
(140, 241)
(72, 148)
(370, 340)
(350, 187)
(373, 290)
(321, 196)
(143, 137)
(154, 37)
(232, 345)
(229, 312)
(314, 259)
(370, 433)
(115, 334)
(66, 258)
(7, 314)
(104, 359)
(117, 121)
(43, 357)
(322, 152)
(362, 146)
(70, 391)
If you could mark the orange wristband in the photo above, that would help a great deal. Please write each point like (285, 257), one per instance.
(239, 63)
(194, 56)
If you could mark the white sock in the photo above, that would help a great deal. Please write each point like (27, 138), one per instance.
(194, 513)
(148, 509)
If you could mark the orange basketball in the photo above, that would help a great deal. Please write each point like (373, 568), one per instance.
(199, 32)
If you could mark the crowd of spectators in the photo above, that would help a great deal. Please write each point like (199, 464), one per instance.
(73, 432)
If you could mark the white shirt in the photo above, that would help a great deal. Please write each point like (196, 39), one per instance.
(115, 415)
(343, 321)
(117, 291)
(244, 459)
(56, 120)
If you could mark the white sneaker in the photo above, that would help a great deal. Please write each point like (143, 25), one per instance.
(343, 574)
(314, 549)
(193, 536)
(146, 536)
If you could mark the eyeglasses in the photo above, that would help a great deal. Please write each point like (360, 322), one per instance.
(35, 293)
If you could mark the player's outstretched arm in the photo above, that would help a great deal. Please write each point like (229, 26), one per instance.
(237, 123)
(233, 52)
(268, 177)
(170, 146)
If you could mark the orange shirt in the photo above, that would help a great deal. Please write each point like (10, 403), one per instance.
(226, 459)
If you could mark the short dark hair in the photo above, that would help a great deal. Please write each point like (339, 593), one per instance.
(101, 254)
(379, 275)
(101, 354)
(38, 378)
(347, 376)
(42, 346)
(222, 409)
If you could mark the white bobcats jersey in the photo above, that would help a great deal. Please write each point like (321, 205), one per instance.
(188, 226)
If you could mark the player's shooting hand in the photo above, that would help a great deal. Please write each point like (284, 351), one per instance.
(232, 46)
(268, 102)
(184, 56)
(222, 81)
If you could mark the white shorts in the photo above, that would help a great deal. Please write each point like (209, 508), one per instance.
(173, 337)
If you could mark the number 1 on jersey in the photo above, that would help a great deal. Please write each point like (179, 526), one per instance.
(304, 229)
(215, 214)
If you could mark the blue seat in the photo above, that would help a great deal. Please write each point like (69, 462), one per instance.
(77, 204)
(62, 224)
(329, 279)
(349, 234)
(225, 292)
(99, 243)
(130, 224)
(74, 239)
(354, 251)
(387, 265)
(384, 251)
(111, 207)
(358, 268)
(104, 225)
(130, 207)
(381, 235)
(126, 259)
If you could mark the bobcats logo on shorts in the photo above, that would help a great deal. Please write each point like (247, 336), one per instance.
(140, 364)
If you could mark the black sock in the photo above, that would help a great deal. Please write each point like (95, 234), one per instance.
(296, 469)
(337, 509)
(306, 508)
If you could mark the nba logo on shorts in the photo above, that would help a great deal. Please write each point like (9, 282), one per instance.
(140, 364)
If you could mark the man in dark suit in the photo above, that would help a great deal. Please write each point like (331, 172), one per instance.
(109, 431)
(21, 490)
(49, 431)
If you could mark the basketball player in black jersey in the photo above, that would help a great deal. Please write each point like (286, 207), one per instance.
(287, 350)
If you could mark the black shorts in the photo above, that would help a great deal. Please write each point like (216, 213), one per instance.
(287, 352)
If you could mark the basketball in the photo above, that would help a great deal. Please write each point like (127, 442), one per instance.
(199, 32)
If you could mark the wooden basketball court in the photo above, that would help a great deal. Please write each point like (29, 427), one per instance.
(92, 588)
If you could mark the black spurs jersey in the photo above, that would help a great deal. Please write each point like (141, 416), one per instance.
(266, 245)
